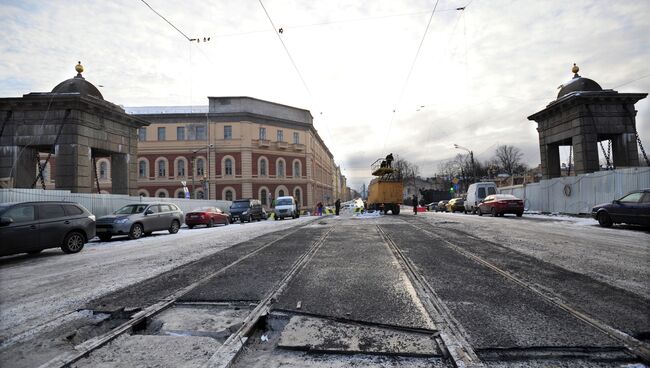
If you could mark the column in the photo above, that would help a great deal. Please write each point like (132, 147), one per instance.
(585, 153)
(625, 151)
(120, 174)
(73, 167)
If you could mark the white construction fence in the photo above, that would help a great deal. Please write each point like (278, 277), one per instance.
(578, 194)
(102, 204)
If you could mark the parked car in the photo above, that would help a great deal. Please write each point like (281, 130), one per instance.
(456, 204)
(136, 220)
(30, 227)
(246, 210)
(500, 204)
(477, 192)
(208, 216)
(286, 207)
(442, 206)
(431, 206)
(634, 208)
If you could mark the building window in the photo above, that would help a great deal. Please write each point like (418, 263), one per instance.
(296, 169)
(200, 167)
(280, 136)
(228, 166)
(180, 194)
(229, 196)
(263, 195)
(162, 195)
(281, 193)
(162, 168)
(180, 133)
(180, 168)
(227, 132)
(142, 134)
(103, 170)
(142, 169)
(298, 195)
(161, 134)
(263, 165)
(296, 138)
(280, 173)
(262, 134)
(200, 133)
(200, 194)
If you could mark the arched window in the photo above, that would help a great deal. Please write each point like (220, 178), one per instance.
(200, 194)
(180, 194)
(200, 167)
(142, 169)
(143, 193)
(263, 197)
(296, 169)
(162, 168)
(162, 193)
(180, 167)
(280, 171)
(298, 195)
(103, 170)
(228, 166)
(263, 167)
(281, 193)
(229, 196)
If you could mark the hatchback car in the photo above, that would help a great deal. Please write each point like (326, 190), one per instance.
(140, 219)
(30, 227)
(456, 204)
(633, 209)
(500, 204)
(208, 216)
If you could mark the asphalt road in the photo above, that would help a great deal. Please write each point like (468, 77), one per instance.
(500, 279)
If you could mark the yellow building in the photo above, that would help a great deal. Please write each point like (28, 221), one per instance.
(237, 147)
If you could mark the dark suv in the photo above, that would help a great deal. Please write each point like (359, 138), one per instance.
(246, 210)
(30, 227)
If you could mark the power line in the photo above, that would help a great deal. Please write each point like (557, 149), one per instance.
(165, 19)
(409, 73)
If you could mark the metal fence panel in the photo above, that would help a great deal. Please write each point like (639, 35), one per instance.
(578, 194)
(102, 204)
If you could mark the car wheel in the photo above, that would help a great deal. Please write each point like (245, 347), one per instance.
(479, 212)
(73, 242)
(604, 220)
(494, 212)
(276, 218)
(519, 214)
(227, 222)
(211, 223)
(190, 227)
(135, 232)
(173, 229)
(105, 237)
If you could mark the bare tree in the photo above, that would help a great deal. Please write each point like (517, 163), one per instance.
(408, 170)
(509, 158)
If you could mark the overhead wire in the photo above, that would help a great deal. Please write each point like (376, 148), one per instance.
(165, 19)
(408, 77)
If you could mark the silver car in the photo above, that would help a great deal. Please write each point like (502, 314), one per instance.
(140, 219)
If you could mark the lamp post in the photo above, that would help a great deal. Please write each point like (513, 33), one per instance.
(206, 168)
(471, 158)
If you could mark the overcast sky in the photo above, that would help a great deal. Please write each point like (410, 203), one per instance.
(479, 73)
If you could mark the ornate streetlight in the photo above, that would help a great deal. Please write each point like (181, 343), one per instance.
(471, 158)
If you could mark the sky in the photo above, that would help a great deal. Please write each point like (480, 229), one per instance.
(379, 77)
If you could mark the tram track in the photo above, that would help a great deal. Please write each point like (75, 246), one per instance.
(633, 346)
(139, 319)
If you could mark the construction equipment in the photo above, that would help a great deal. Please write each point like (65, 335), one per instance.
(385, 191)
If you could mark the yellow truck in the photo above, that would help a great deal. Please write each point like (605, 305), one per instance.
(386, 190)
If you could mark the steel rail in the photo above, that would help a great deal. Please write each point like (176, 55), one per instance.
(85, 348)
(227, 352)
(633, 345)
(452, 336)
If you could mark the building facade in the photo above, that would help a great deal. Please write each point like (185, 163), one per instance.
(239, 147)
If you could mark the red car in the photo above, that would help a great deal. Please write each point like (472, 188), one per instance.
(208, 216)
(499, 204)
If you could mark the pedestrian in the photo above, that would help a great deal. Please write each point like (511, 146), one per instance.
(389, 160)
(319, 208)
(383, 164)
(337, 205)
(415, 204)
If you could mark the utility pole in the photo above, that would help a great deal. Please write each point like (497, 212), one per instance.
(471, 158)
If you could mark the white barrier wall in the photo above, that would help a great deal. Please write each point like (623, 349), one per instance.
(578, 194)
(102, 204)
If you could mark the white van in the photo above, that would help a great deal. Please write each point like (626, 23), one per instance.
(286, 207)
(476, 192)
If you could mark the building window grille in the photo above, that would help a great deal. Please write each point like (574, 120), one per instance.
(161, 134)
(296, 138)
(262, 133)
(280, 136)
(227, 132)
(180, 133)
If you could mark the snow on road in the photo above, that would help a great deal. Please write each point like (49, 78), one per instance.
(42, 289)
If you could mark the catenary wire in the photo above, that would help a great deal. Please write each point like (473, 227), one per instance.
(165, 19)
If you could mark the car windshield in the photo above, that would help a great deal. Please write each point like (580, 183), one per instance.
(130, 209)
(240, 204)
(203, 209)
(283, 202)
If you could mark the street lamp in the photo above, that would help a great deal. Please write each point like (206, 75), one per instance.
(471, 158)
(206, 168)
